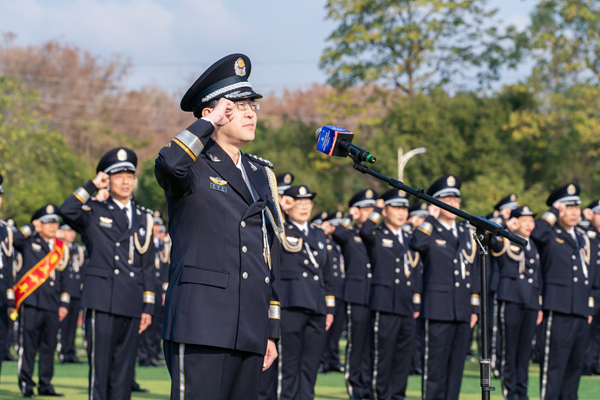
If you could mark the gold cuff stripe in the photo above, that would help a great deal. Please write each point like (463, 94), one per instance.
(550, 218)
(541, 300)
(82, 195)
(10, 294)
(274, 312)
(26, 231)
(426, 228)
(591, 302)
(375, 217)
(165, 286)
(416, 298)
(149, 297)
(330, 301)
(65, 298)
(191, 141)
(185, 148)
(474, 299)
(275, 303)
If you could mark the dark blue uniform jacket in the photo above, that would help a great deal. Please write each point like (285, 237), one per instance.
(7, 255)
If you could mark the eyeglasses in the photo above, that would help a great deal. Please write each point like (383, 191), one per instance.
(303, 203)
(243, 105)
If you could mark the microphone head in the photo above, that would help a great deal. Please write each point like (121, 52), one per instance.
(329, 138)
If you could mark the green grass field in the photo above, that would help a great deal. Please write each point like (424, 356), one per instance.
(71, 379)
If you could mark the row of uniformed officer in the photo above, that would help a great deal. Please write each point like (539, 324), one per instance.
(592, 214)
(119, 284)
(7, 296)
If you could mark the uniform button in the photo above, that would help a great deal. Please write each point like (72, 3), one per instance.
(334, 258)
(304, 251)
(245, 275)
(522, 276)
(51, 283)
(335, 267)
(457, 284)
(599, 251)
(574, 267)
(397, 281)
(369, 275)
(70, 275)
(267, 280)
(305, 274)
(531, 270)
(116, 272)
(305, 262)
(587, 282)
(455, 272)
(130, 261)
(531, 261)
(397, 270)
(368, 265)
(468, 273)
(117, 244)
(574, 257)
(315, 253)
(343, 276)
(116, 258)
(335, 274)
(397, 260)
(157, 274)
(316, 277)
(455, 261)
(575, 279)
(530, 280)
(243, 224)
(244, 249)
(407, 283)
(76, 276)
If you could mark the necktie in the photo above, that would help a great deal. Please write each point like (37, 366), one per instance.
(126, 217)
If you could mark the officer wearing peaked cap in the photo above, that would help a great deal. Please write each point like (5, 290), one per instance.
(506, 205)
(395, 299)
(284, 182)
(592, 215)
(450, 300)
(306, 295)
(519, 306)
(7, 295)
(75, 270)
(356, 293)
(567, 299)
(226, 204)
(118, 285)
(40, 307)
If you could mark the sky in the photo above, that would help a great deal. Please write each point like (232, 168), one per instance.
(171, 42)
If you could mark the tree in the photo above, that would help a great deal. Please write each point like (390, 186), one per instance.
(413, 45)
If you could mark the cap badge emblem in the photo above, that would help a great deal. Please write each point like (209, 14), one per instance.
(49, 209)
(302, 190)
(240, 67)
(451, 181)
(287, 179)
(121, 155)
(424, 206)
(339, 214)
(157, 213)
(369, 194)
(323, 215)
(401, 193)
(571, 189)
(526, 209)
(513, 197)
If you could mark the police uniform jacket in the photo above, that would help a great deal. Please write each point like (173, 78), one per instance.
(395, 286)
(161, 266)
(7, 254)
(567, 279)
(336, 260)
(450, 273)
(119, 277)
(222, 291)
(519, 271)
(593, 235)
(306, 274)
(357, 283)
(51, 294)
(76, 270)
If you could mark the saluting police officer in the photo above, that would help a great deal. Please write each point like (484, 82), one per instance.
(331, 355)
(395, 298)
(118, 286)
(519, 290)
(42, 300)
(450, 301)
(356, 294)
(7, 295)
(567, 299)
(221, 311)
(75, 271)
(592, 214)
(306, 295)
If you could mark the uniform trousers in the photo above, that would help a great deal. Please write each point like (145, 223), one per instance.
(4, 329)
(359, 363)
(417, 347)
(302, 343)
(564, 353)
(149, 345)
(38, 331)
(68, 329)
(445, 348)
(517, 324)
(112, 344)
(593, 348)
(331, 355)
(393, 344)
(206, 372)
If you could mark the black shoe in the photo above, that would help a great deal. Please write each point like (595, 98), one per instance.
(145, 364)
(587, 371)
(29, 393)
(136, 388)
(161, 356)
(596, 370)
(156, 363)
(9, 357)
(49, 392)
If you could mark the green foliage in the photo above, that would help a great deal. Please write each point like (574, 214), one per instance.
(412, 45)
(37, 164)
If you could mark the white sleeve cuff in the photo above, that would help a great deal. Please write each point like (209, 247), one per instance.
(206, 119)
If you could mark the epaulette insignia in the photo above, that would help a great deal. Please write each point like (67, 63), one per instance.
(260, 160)
(85, 207)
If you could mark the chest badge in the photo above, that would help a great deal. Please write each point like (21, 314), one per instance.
(389, 243)
(36, 246)
(106, 222)
(440, 242)
(142, 232)
(357, 239)
(218, 184)
(321, 246)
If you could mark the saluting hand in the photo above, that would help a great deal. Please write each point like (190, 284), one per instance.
(222, 114)
(37, 225)
(561, 207)
(271, 354)
(354, 213)
(434, 211)
(101, 180)
(513, 224)
(327, 228)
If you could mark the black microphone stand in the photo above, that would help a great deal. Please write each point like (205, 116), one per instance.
(485, 229)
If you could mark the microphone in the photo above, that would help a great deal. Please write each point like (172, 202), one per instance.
(337, 142)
